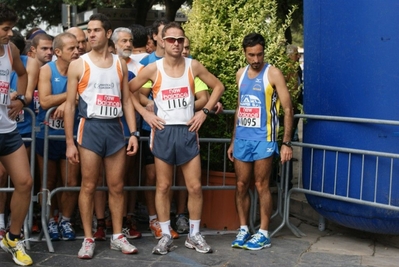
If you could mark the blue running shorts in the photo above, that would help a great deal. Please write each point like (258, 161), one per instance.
(249, 150)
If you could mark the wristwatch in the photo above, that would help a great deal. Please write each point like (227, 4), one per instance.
(22, 99)
(136, 134)
(206, 111)
(287, 144)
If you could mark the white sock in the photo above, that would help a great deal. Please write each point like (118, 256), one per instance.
(115, 236)
(165, 227)
(152, 217)
(2, 223)
(244, 227)
(194, 227)
(264, 232)
(65, 219)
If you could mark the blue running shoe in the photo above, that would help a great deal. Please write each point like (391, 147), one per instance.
(241, 238)
(67, 231)
(257, 242)
(53, 231)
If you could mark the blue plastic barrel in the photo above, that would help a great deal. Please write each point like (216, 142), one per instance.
(351, 69)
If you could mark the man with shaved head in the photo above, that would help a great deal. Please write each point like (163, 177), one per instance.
(81, 37)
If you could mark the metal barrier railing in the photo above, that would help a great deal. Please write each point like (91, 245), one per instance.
(29, 217)
(46, 197)
(349, 154)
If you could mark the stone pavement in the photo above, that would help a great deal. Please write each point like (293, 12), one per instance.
(336, 246)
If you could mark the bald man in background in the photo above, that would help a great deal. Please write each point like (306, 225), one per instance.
(81, 37)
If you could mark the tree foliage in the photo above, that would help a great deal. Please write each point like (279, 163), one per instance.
(216, 29)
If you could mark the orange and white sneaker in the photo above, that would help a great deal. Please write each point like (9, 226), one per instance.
(157, 231)
(173, 233)
(155, 228)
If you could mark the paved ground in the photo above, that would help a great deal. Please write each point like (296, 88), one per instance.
(336, 246)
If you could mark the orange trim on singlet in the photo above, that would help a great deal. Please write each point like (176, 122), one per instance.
(80, 130)
(10, 54)
(119, 71)
(191, 80)
(82, 85)
(157, 85)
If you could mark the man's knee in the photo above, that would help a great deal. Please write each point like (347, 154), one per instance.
(23, 185)
(195, 189)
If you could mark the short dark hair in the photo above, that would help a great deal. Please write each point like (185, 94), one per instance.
(41, 36)
(253, 39)
(139, 35)
(171, 25)
(105, 22)
(157, 23)
(111, 43)
(18, 40)
(7, 14)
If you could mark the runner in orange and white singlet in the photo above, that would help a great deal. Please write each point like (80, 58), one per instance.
(175, 124)
(100, 78)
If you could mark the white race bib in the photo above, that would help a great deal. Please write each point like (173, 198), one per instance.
(21, 116)
(36, 103)
(175, 98)
(249, 117)
(57, 124)
(107, 106)
(4, 93)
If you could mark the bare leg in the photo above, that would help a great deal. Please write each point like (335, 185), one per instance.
(92, 164)
(243, 173)
(114, 171)
(164, 173)
(150, 194)
(17, 165)
(70, 176)
(262, 171)
(192, 175)
(100, 197)
(181, 194)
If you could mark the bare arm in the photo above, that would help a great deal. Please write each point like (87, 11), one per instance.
(140, 95)
(15, 105)
(46, 97)
(201, 98)
(74, 73)
(233, 136)
(32, 70)
(212, 82)
(277, 80)
(129, 112)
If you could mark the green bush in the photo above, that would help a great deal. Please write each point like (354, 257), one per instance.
(216, 29)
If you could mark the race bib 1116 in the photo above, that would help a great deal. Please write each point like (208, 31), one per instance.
(174, 98)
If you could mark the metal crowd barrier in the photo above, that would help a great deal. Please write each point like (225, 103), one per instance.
(47, 196)
(29, 217)
(339, 151)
